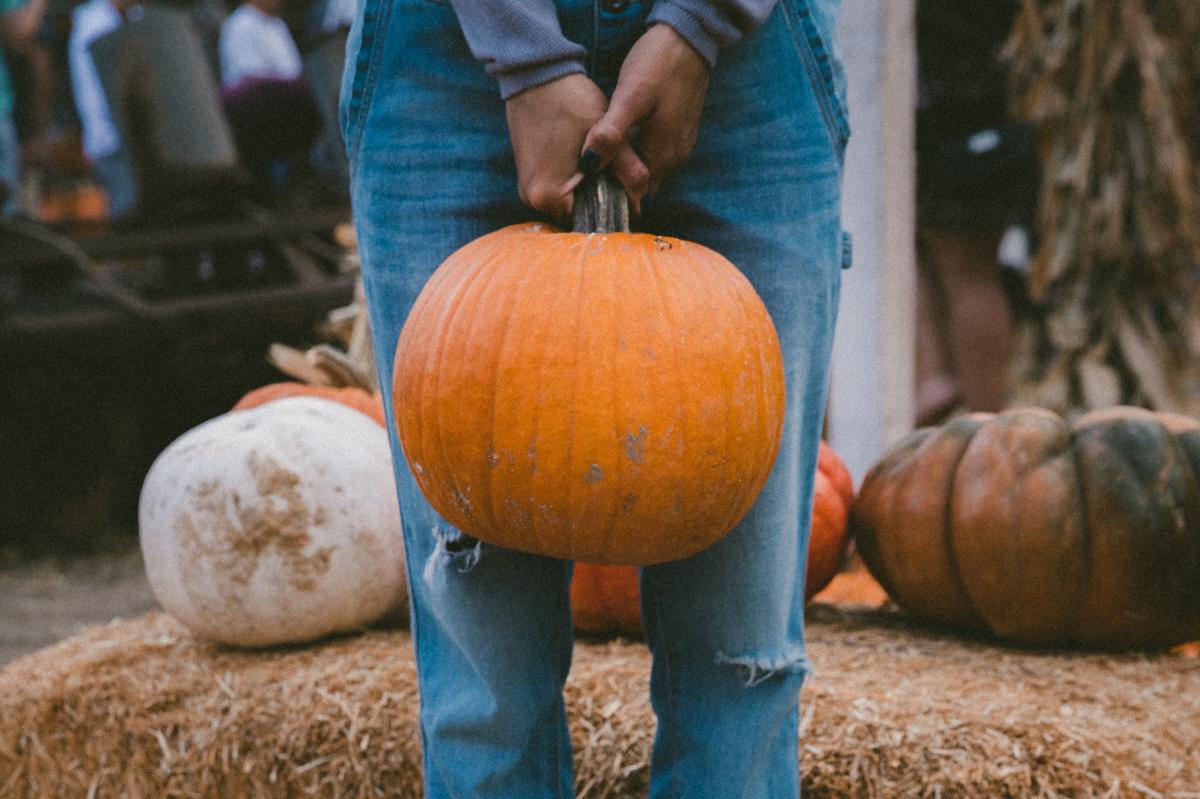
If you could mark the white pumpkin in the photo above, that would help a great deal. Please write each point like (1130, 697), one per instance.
(275, 525)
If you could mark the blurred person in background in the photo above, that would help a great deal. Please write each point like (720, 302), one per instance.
(101, 141)
(208, 17)
(976, 179)
(333, 17)
(270, 107)
(324, 54)
(256, 45)
(19, 21)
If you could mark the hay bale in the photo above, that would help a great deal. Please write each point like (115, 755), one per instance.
(141, 708)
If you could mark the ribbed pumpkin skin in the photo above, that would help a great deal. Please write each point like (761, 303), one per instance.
(356, 398)
(1040, 531)
(605, 598)
(830, 534)
(615, 398)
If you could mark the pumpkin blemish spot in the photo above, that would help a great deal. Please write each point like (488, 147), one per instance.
(257, 529)
(594, 474)
(462, 501)
(635, 446)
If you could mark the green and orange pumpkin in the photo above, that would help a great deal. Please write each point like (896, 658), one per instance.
(1043, 531)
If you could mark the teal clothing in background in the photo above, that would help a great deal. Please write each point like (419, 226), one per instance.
(6, 90)
(9, 160)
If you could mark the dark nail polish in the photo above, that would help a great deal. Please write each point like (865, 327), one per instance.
(589, 162)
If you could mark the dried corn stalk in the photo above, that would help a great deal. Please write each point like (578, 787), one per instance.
(1112, 87)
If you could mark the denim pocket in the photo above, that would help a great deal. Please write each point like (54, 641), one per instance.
(821, 69)
(362, 65)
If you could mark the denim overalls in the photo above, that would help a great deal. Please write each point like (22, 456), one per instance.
(431, 169)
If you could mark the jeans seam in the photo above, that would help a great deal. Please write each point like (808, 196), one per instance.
(558, 753)
(365, 75)
(591, 54)
(820, 80)
(415, 630)
(561, 708)
(669, 723)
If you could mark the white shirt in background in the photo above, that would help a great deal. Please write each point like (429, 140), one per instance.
(338, 14)
(256, 45)
(89, 22)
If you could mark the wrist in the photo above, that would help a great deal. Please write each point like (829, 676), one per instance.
(687, 27)
(516, 81)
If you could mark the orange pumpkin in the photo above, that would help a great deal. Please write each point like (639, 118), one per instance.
(356, 398)
(609, 397)
(832, 496)
(605, 598)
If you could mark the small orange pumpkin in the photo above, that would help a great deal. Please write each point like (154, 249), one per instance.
(612, 397)
(832, 497)
(356, 398)
(605, 598)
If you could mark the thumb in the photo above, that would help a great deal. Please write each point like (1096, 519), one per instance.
(611, 131)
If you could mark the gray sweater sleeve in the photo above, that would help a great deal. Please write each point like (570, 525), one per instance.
(522, 44)
(711, 24)
(518, 41)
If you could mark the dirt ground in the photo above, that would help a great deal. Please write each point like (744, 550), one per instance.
(44, 601)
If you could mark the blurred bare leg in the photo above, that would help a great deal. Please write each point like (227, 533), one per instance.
(978, 325)
(937, 387)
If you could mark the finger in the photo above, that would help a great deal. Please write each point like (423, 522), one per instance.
(589, 163)
(545, 198)
(657, 172)
(654, 186)
(633, 174)
(663, 149)
(612, 130)
(569, 187)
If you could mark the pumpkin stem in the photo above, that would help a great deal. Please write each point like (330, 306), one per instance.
(601, 205)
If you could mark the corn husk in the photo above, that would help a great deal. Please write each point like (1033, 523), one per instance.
(1112, 89)
(352, 365)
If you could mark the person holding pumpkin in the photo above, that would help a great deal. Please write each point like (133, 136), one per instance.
(726, 123)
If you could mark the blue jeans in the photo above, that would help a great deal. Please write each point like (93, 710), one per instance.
(115, 174)
(10, 166)
(432, 168)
